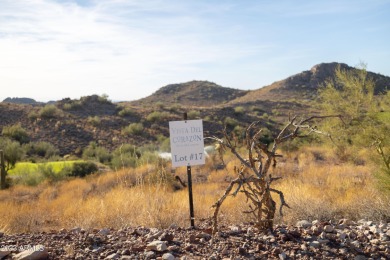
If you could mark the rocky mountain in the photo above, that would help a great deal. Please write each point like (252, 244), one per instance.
(16, 100)
(195, 93)
(304, 85)
(72, 124)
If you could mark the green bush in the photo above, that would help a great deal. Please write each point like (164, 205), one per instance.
(16, 132)
(13, 152)
(104, 99)
(133, 129)
(94, 120)
(231, 122)
(49, 111)
(239, 110)
(157, 116)
(41, 149)
(193, 114)
(175, 107)
(82, 169)
(159, 104)
(126, 155)
(95, 152)
(126, 112)
(72, 105)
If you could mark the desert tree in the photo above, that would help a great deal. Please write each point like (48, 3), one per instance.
(366, 116)
(252, 176)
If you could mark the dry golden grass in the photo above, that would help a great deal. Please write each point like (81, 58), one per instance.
(316, 186)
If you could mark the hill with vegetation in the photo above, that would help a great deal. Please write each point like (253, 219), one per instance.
(71, 125)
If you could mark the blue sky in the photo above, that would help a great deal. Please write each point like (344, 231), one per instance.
(128, 49)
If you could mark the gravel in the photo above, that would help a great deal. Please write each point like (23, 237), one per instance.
(306, 240)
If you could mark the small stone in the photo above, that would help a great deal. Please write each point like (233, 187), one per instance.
(173, 248)
(328, 228)
(343, 250)
(315, 244)
(193, 239)
(360, 257)
(304, 224)
(342, 235)
(75, 230)
(149, 254)
(241, 251)
(204, 236)
(235, 228)
(225, 251)
(188, 247)
(126, 252)
(168, 256)
(374, 229)
(166, 237)
(282, 256)
(250, 231)
(355, 244)
(347, 222)
(113, 256)
(157, 246)
(104, 232)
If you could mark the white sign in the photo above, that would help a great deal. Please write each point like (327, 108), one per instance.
(187, 145)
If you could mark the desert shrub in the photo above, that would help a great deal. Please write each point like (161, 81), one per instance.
(164, 143)
(33, 114)
(159, 104)
(239, 110)
(365, 122)
(230, 122)
(193, 114)
(82, 169)
(207, 118)
(157, 116)
(16, 132)
(175, 107)
(51, 175)
(265, 116)
(126, 155)
(104, 98)
(49, 111)
(94, 120)
(133, 129)
(13, 152)
(41, 149)
(95, 152)
(275, 112)
(126, 112)
(72, 105)
(239, 131)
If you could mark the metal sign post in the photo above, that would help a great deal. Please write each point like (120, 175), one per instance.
(187, 149)
(191, 201)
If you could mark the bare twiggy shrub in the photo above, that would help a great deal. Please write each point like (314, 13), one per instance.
(253, 178)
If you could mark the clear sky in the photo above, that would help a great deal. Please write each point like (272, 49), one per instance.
(128, 49)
